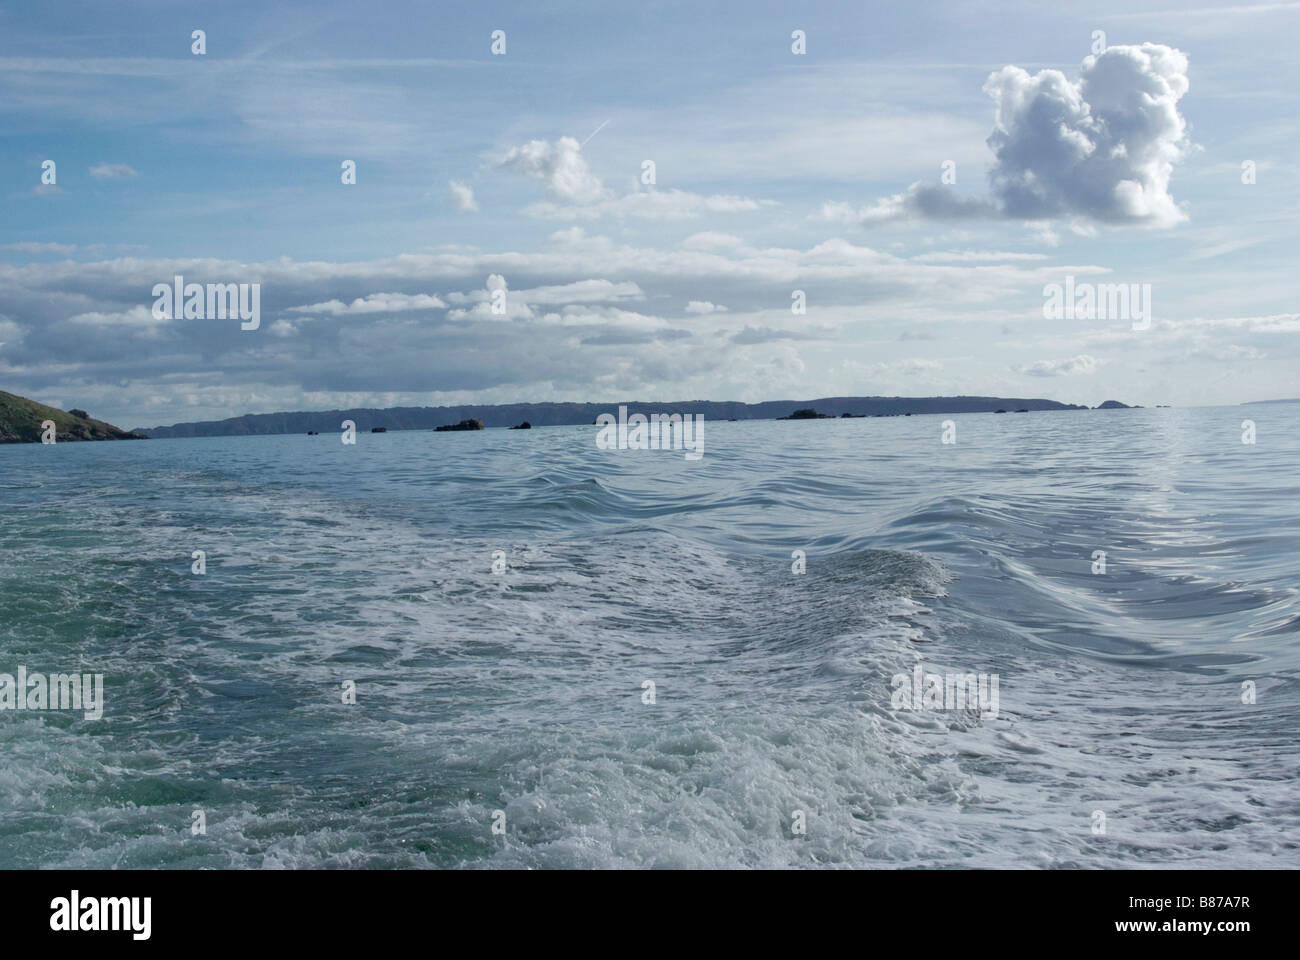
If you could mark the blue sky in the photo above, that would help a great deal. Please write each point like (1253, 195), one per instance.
(773, 172)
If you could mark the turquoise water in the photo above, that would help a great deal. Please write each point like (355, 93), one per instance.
(521, 691)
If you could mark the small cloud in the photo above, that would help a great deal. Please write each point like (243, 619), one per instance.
(703, 306)
(920, 201)
(493, 302)
(560, 166)
(754, 335)
(137, 316)
(567, 236)
(374, 303)
(649, 205)
(576, 193)
(112, 171)
(462, 195)
(1226, 353)
(1061, 368)
(27, 246)
(580, 291)
(711, 240)
(975, 256)
(912, 366)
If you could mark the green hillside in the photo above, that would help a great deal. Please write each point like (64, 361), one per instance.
(20, 422)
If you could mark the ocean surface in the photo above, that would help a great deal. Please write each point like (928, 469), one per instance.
(1121, 693)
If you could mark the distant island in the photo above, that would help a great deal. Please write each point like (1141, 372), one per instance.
(562, 414)
(21, 419)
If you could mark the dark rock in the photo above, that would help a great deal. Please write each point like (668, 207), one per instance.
(1114, 405)
(807, 413)
(463, 425)
(523, 426)
(999, 410)
(378, 429)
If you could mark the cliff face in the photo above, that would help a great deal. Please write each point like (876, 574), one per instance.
(20, 422)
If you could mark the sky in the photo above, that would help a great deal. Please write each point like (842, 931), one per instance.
(622, 202)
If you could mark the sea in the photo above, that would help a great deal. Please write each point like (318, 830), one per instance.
(514, 649)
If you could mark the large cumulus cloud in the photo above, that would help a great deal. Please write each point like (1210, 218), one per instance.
(1102, 147)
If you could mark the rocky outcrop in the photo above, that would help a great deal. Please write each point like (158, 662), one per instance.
(523, 426)
(21, 419)
(808, 413)
(463, 425)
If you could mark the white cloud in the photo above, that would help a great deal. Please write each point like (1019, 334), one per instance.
(560, 166)
(974, 256)
(650, 205)
(578, 194)
(1083, 363)
(374, 303)
(138, 316)
(1101, 148)
(906, 367)
(749, 336)
(921, 200)
(712, 240)
(1275, 323)
(27, 246)
(704, 306)
(462, 195)
(112, 171)
(580, 291)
